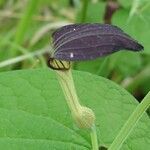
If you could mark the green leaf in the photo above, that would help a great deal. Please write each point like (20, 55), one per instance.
(119, 62)
(89, 66)
(34, 114)
(137, 26)
(124, 66)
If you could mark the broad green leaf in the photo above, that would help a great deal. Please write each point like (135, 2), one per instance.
(34, 114)
(137, 26)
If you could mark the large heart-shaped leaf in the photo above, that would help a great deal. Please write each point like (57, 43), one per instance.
(34, 114)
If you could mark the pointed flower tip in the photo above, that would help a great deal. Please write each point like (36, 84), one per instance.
(140, 47)
(89, 41)
(136, 47)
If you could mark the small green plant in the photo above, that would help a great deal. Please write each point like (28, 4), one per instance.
(34, 113)
(101, 40)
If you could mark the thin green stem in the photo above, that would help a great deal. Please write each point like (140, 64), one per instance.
(134, 8)
(22, 58)
(130, 124)
(94, 138)
(84, 10)
(24, 23)
(145, 7)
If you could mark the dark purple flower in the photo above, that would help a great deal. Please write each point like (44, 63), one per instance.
(89, 41)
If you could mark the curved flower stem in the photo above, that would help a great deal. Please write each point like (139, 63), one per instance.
(83, 116)
(66, 81)
(94, 138)
(130, 124)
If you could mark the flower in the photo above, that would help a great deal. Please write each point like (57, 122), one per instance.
(89, 41)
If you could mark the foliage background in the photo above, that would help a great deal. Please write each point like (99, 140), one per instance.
(26, 27)
(28, 111)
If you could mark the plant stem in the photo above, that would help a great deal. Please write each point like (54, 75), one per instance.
(84, 10)
(94, 138)
(134, 8)
(67, 84)
(83, 116)
(23, 57)
(24, 23)
(130, 124)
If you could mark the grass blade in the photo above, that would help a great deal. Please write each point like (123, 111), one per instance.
(130, 124)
